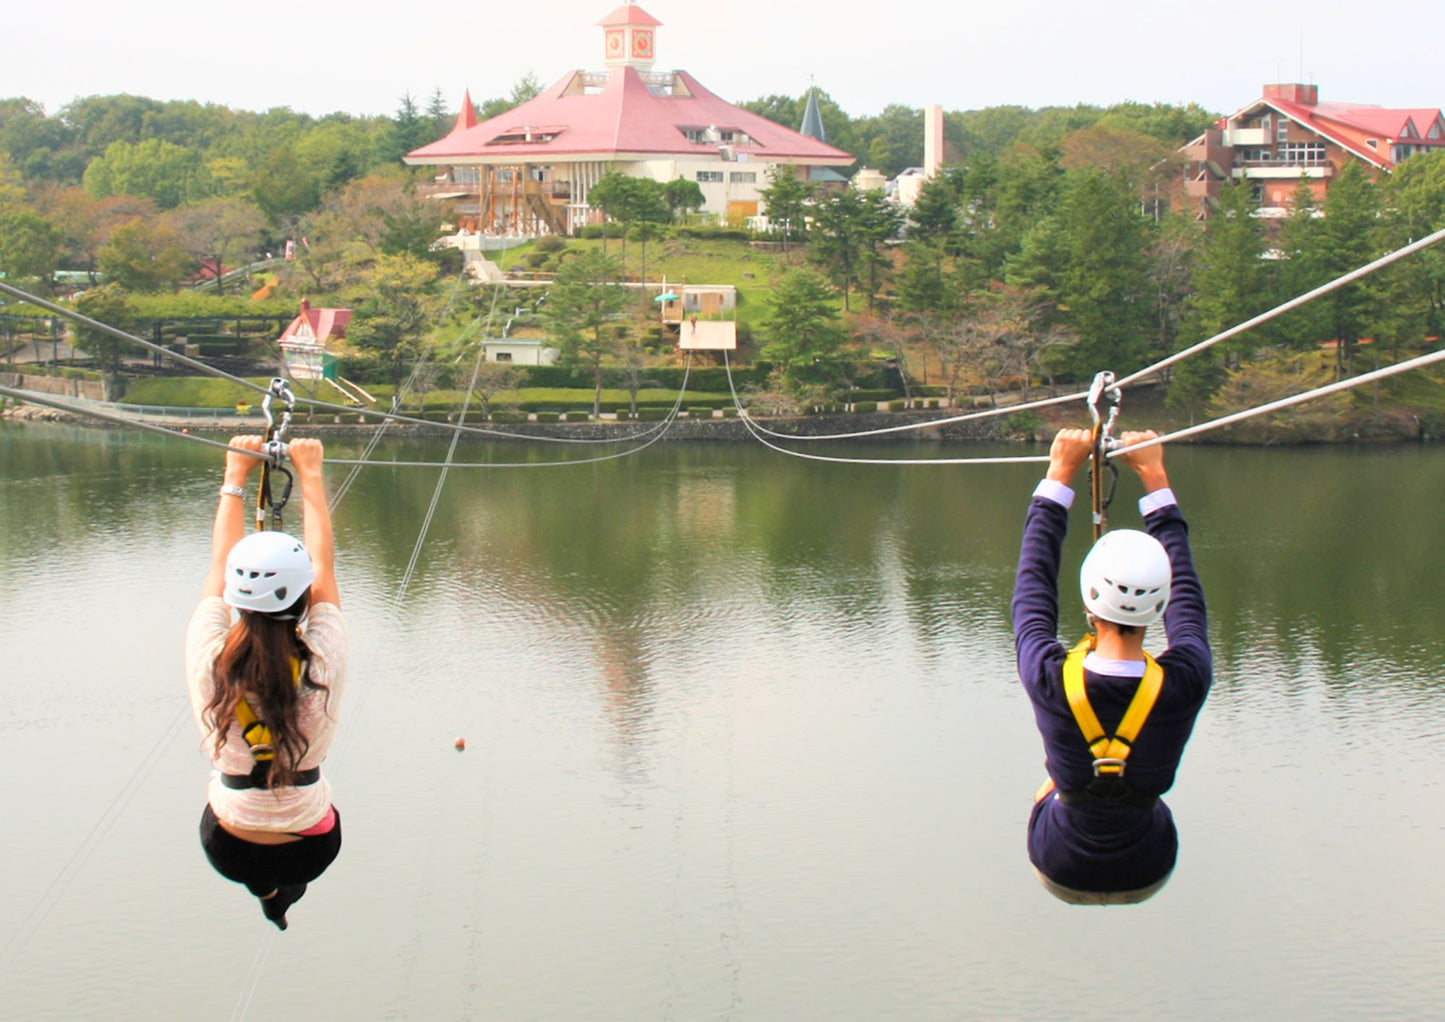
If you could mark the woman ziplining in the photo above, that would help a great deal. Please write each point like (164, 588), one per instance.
(265, 688)
(1114, 721)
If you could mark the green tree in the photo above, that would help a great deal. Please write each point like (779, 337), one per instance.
(393, 307)
(29, 243)
(682, 196)
(629, 200)
(410, 128)
(786, 201)
(219, 231)
(168, 173)
(1415, 207)
(879, 222)
(836, 240)
(804, 338)
(1301, 269)
(145, 255)
(581, 311)
(935, 215)
(1350, 238)
(108, 304)
(282, 186)
(1229, 281)
(525, 88)
(1105, 286)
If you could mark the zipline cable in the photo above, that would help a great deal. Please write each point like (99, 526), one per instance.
(1223, 335)
(1113, 452)
(376, 435)
(59, 404)
(1286, 402)
(1293, 303)
(324, 406)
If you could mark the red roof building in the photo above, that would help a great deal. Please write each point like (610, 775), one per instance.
(1288, 136)
(303, 342)
(529, 170)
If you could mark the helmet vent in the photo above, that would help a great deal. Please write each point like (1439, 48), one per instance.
(281, 593)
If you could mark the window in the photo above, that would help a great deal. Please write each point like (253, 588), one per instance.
(743, 177)
(504, 356)
(1302, 153)
(710, 176)
(1281, 133)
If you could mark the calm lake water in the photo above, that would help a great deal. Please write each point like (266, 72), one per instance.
(743, 742)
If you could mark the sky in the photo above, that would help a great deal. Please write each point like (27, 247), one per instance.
(361, 57)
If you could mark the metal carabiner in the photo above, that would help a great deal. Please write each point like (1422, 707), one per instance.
(279, 388)
(1103, 391)
(274, 452)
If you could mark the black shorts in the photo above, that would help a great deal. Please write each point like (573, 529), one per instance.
(263, 868)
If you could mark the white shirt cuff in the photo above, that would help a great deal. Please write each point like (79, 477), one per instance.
(1055, 491)
(1156, 500)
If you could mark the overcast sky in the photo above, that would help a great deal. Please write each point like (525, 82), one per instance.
(361, 56)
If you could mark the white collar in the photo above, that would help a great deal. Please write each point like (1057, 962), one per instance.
(1114, 668)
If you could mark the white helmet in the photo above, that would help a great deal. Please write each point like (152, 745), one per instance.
(1125, 578)
(267, 572)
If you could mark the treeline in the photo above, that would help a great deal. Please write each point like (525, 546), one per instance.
(1041, 265)
(151, 194)
(892, 140)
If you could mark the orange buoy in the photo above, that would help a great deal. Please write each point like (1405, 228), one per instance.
(461, 743)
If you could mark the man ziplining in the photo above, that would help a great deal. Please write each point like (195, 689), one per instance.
(1114, 721)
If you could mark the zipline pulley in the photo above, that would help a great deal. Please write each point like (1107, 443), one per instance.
(274, 451)
(1104, 398)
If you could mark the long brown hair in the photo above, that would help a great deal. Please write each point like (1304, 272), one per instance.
(255, 664)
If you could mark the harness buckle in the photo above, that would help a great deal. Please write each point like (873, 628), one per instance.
(1109, 766)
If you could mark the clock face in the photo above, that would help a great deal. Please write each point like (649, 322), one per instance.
(642, 44)
(614, 43)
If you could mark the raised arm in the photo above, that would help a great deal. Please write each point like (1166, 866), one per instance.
(230, 523)
(306, 458)
(1036, 585)
(1185, 618)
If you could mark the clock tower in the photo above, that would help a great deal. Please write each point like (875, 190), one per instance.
(627, 37)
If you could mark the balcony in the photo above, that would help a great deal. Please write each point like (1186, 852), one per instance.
(1263, 170)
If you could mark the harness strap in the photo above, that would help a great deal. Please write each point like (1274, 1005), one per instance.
(259, 778)
(1110, 751)
(255, 731)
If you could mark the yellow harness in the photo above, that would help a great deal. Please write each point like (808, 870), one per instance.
(254, 730)
(1111, 752)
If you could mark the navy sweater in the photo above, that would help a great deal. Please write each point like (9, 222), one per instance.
(1107, 846)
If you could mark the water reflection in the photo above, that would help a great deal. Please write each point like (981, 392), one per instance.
(744, 740)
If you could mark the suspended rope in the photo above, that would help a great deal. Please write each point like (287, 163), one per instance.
(85, 411)
(312, 403)
(1287, 402)
(376, 435)
(68, 872)
(1293, 303)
